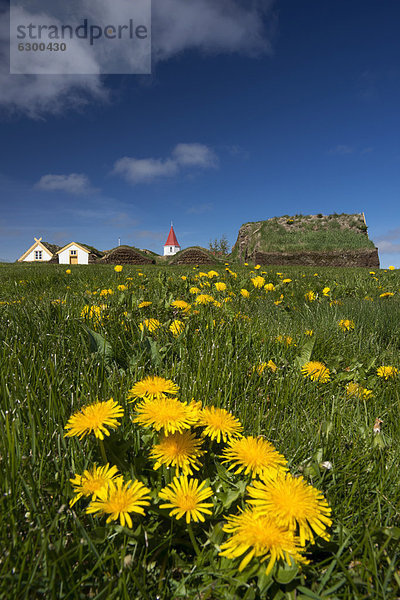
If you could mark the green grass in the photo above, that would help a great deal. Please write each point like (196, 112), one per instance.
(49, 369)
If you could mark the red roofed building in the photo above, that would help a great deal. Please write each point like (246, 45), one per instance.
(171, 246)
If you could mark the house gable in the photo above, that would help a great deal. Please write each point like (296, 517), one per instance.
(38, 246)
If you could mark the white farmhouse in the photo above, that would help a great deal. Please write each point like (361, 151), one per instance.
(39, 252)
(171, 246)
(73, 254)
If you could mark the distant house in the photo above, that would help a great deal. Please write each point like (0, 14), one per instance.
(39, 252)
(171, 246)
(77, 254)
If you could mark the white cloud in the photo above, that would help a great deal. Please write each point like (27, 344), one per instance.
(341, 149)
(194, 155)
(386, 247)
(146, 170)
(75, 183)
(199, 209)
(207, 26)
(211, 26)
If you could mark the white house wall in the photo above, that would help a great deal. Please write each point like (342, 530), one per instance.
(171, 250)
(83, 257)
(46, 255)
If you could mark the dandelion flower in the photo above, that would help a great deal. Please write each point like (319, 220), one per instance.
(168, 414)
(179, 450)
(259, 537)
(219, 424)
(271, 365)
(212, 274)
(119, 499)
(386, 372)
(92, 481)
(293, 504)
(269, 287)
(220, 286)
(310, 296)
(355, 390)
(309, 332)
(286, 280)
(204, 299)
(386, 295)
(95, 418)
(194, 290)
(153, 387)
(122, 288)
(258, 282)
(287, 340)
(260, 368)
(118, 268)
(182, 305)
(68, 271)
(144, 304)
(186, 497)
(316, 371)
(245, 293)
(177, 327)
(150, 324)
(253, 455)
(391, 268)
(326, 291)
(346, 324)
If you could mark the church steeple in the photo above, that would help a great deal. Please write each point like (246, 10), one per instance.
(171, 246)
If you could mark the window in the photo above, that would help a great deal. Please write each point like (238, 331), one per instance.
(170, 248)
(38, 255)
(73, 252)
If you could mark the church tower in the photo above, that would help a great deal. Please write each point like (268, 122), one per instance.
(171, 246)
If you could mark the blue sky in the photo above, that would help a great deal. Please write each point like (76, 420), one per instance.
(253, 110)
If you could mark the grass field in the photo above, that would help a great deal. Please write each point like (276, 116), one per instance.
(74, 339)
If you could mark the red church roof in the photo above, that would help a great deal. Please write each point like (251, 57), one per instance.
(171, 239)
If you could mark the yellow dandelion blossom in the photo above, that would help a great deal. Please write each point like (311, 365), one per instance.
(68, 271)
(386, 295)
(258, 282)
(325, 291)
(93, 313)
(245, 293)
(122, 288)
(179, 450)
(194, 290)
(391, 268)
(118, 268)
(167, 414)
(287, 340)
(186, 497)
(346, 324)
(91, 482)
(355, 390)
(335, 303)
(316, 371)
(293, 504)
(119, 499)
(204, 299)
(269, 287)
(177, 327)
(212, 274)
(271, 365)
(220, 286)
(153, 387)
(144, 304)
(386, 372)
(106, 292)
(259, 538)
(219, 424)
(310, 296)
(286, 280)
(182, 305)
(150, 324)
(260, 368)
(257, 267)
(95, 418)
(309, 332)
(253, 455)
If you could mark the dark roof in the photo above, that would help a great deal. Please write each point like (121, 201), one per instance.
(53, 248)
(91, 249)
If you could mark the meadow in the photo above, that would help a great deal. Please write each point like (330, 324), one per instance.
(305, 363)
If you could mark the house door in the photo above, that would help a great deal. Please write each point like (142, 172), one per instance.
(73, 260)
